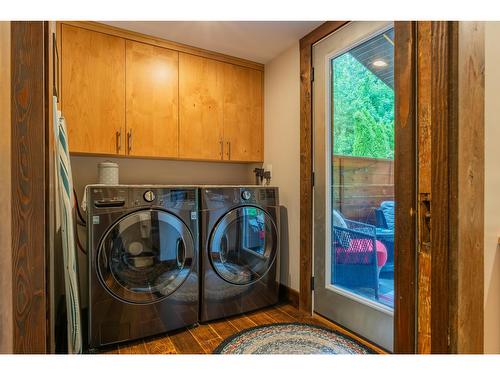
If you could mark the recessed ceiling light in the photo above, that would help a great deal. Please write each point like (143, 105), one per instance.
(379, 63)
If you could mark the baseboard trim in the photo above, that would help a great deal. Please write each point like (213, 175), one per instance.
(289, 295)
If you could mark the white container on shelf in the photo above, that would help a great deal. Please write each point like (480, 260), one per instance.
(108, 173)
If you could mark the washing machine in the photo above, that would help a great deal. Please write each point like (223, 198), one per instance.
(143, 261)
(240, 250)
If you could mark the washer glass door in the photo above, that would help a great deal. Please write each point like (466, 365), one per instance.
(145, 256)
(243, 245)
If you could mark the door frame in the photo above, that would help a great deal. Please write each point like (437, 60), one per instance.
(29, 325)
(456, 88)
(30, 139)
(6, 311)
(306, 160)
(405, 188)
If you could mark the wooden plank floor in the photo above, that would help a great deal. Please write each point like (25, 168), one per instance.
(204, 338)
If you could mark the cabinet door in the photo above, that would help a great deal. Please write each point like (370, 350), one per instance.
(93, 90)
(243, 125)
(152, 101)
(201, 99)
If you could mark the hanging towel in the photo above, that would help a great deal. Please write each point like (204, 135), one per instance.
(66, 206)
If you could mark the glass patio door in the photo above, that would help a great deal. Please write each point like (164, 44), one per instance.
(353, 119)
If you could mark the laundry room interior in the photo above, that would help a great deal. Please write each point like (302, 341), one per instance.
(281, 149)
(275, 134)
(250, 187)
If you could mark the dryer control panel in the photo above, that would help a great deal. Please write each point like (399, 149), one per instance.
(221, 197)
(110, 198)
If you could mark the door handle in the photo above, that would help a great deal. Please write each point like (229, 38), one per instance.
(181, 253)
(424, 225)
(228, 150)
(221, 149)
(129, 140)
(118, 140)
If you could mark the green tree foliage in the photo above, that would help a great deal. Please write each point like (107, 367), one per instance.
(363, 111)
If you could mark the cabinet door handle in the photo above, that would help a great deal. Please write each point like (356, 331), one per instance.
(221, 149)
(118, 140)
(228, 150)
(129, 140)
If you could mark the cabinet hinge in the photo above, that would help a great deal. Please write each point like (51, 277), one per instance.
(312, 74)
(312, 282)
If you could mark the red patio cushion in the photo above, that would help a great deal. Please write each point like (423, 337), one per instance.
(360, 252)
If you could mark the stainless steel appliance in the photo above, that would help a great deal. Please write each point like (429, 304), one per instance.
(240, 249)
(143, 261)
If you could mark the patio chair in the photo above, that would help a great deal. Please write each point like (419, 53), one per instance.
(384, 217)
(357, 255)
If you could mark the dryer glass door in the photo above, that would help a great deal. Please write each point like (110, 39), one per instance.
(243, 245)
(145, 256)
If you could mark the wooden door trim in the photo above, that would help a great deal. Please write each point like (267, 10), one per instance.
(405, 166)
(28, 126)
(6, 335)
(456, 87)
(466, 193)
(442, 138)
(306, 160)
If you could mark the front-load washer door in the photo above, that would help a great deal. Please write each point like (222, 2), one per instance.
(145, 256)
(243, 245)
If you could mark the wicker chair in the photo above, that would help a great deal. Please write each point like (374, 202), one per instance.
(357, 256)
(384, 216)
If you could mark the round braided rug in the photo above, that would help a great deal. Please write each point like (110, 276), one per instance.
(290, 338)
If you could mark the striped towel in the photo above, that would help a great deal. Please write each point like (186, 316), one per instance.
(66, 206)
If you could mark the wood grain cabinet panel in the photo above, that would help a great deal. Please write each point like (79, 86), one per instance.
(201, 99)
(127, 97)
(93, 90)
(243, 106)
(152, 94)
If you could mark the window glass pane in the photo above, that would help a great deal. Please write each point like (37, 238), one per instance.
(362, 169)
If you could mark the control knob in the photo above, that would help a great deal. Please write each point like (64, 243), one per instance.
(149, 196)
(246, 195)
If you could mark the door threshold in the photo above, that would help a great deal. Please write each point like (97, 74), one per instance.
(338, 327)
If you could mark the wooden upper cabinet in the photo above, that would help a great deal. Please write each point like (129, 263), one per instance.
(93, 90)
(201, 99)
(243, 114)
(152, 100)
(127, 96)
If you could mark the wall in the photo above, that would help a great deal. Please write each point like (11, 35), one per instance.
(148, 171)
(6, 343)
(282, 151)
(492, 187)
